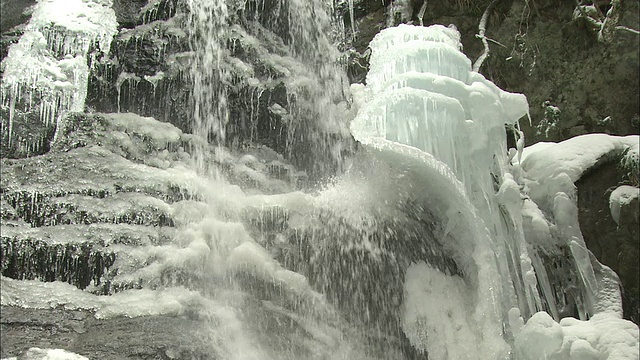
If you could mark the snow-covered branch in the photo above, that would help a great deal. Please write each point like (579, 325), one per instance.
(423, 9)
(605, 25)
(482, 28)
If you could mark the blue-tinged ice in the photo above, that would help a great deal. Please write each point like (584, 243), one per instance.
(429, 116)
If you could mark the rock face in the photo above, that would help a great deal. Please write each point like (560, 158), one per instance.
(95, 212)
(276, 92)
(617, 246)
(148, 74)
(559, 62)
(78, 332)
(113, 200)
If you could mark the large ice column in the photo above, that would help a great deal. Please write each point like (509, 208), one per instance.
(421, 92)
(48, 67)
(426, 112)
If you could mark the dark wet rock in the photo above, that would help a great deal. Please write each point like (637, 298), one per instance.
(617, 246)
(78, 264)
(9, 38)
(25, 135)
(14, 12)
(128, 11)
(359, 269)
(153, 337)
(561, 61)
(33, 184)
(81, 255)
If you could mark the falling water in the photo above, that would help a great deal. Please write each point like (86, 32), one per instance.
(416, 249)
(207, 22)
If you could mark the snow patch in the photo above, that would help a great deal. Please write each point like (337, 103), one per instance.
(603, 337)
(620, 197)
(48, 354)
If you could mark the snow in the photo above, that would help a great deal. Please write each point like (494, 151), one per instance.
(535, 148)
(575, 156)
(620, 197)
(603, 337)
(48, 354)
(435, 317)
(127, 303)
(158, 134)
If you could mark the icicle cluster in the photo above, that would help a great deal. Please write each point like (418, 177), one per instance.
(425, 111)
(49, 66)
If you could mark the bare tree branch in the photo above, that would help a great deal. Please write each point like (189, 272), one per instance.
(423, 9)
(634, 31)
(482, 28)
(605, 25)
(608, 30)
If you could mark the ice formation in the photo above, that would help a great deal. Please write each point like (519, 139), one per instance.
(48, 69)
(425, 113)
(422, 104)
(603, 337)
(48, 354)
(435, 131)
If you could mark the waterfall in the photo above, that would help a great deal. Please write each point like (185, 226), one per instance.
(428, 239)
(207, 22)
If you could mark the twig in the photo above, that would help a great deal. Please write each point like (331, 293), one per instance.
(634, 31)
(496, 42)
(610, 23)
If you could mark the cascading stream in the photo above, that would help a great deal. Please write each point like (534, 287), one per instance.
(420, 249)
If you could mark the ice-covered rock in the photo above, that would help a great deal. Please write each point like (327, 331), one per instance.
(427, 115)
(621, 197)
(48, 69)
(545, 164)
(603, 337)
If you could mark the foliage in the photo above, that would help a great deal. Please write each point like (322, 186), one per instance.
(630, 165)
(551, 119)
